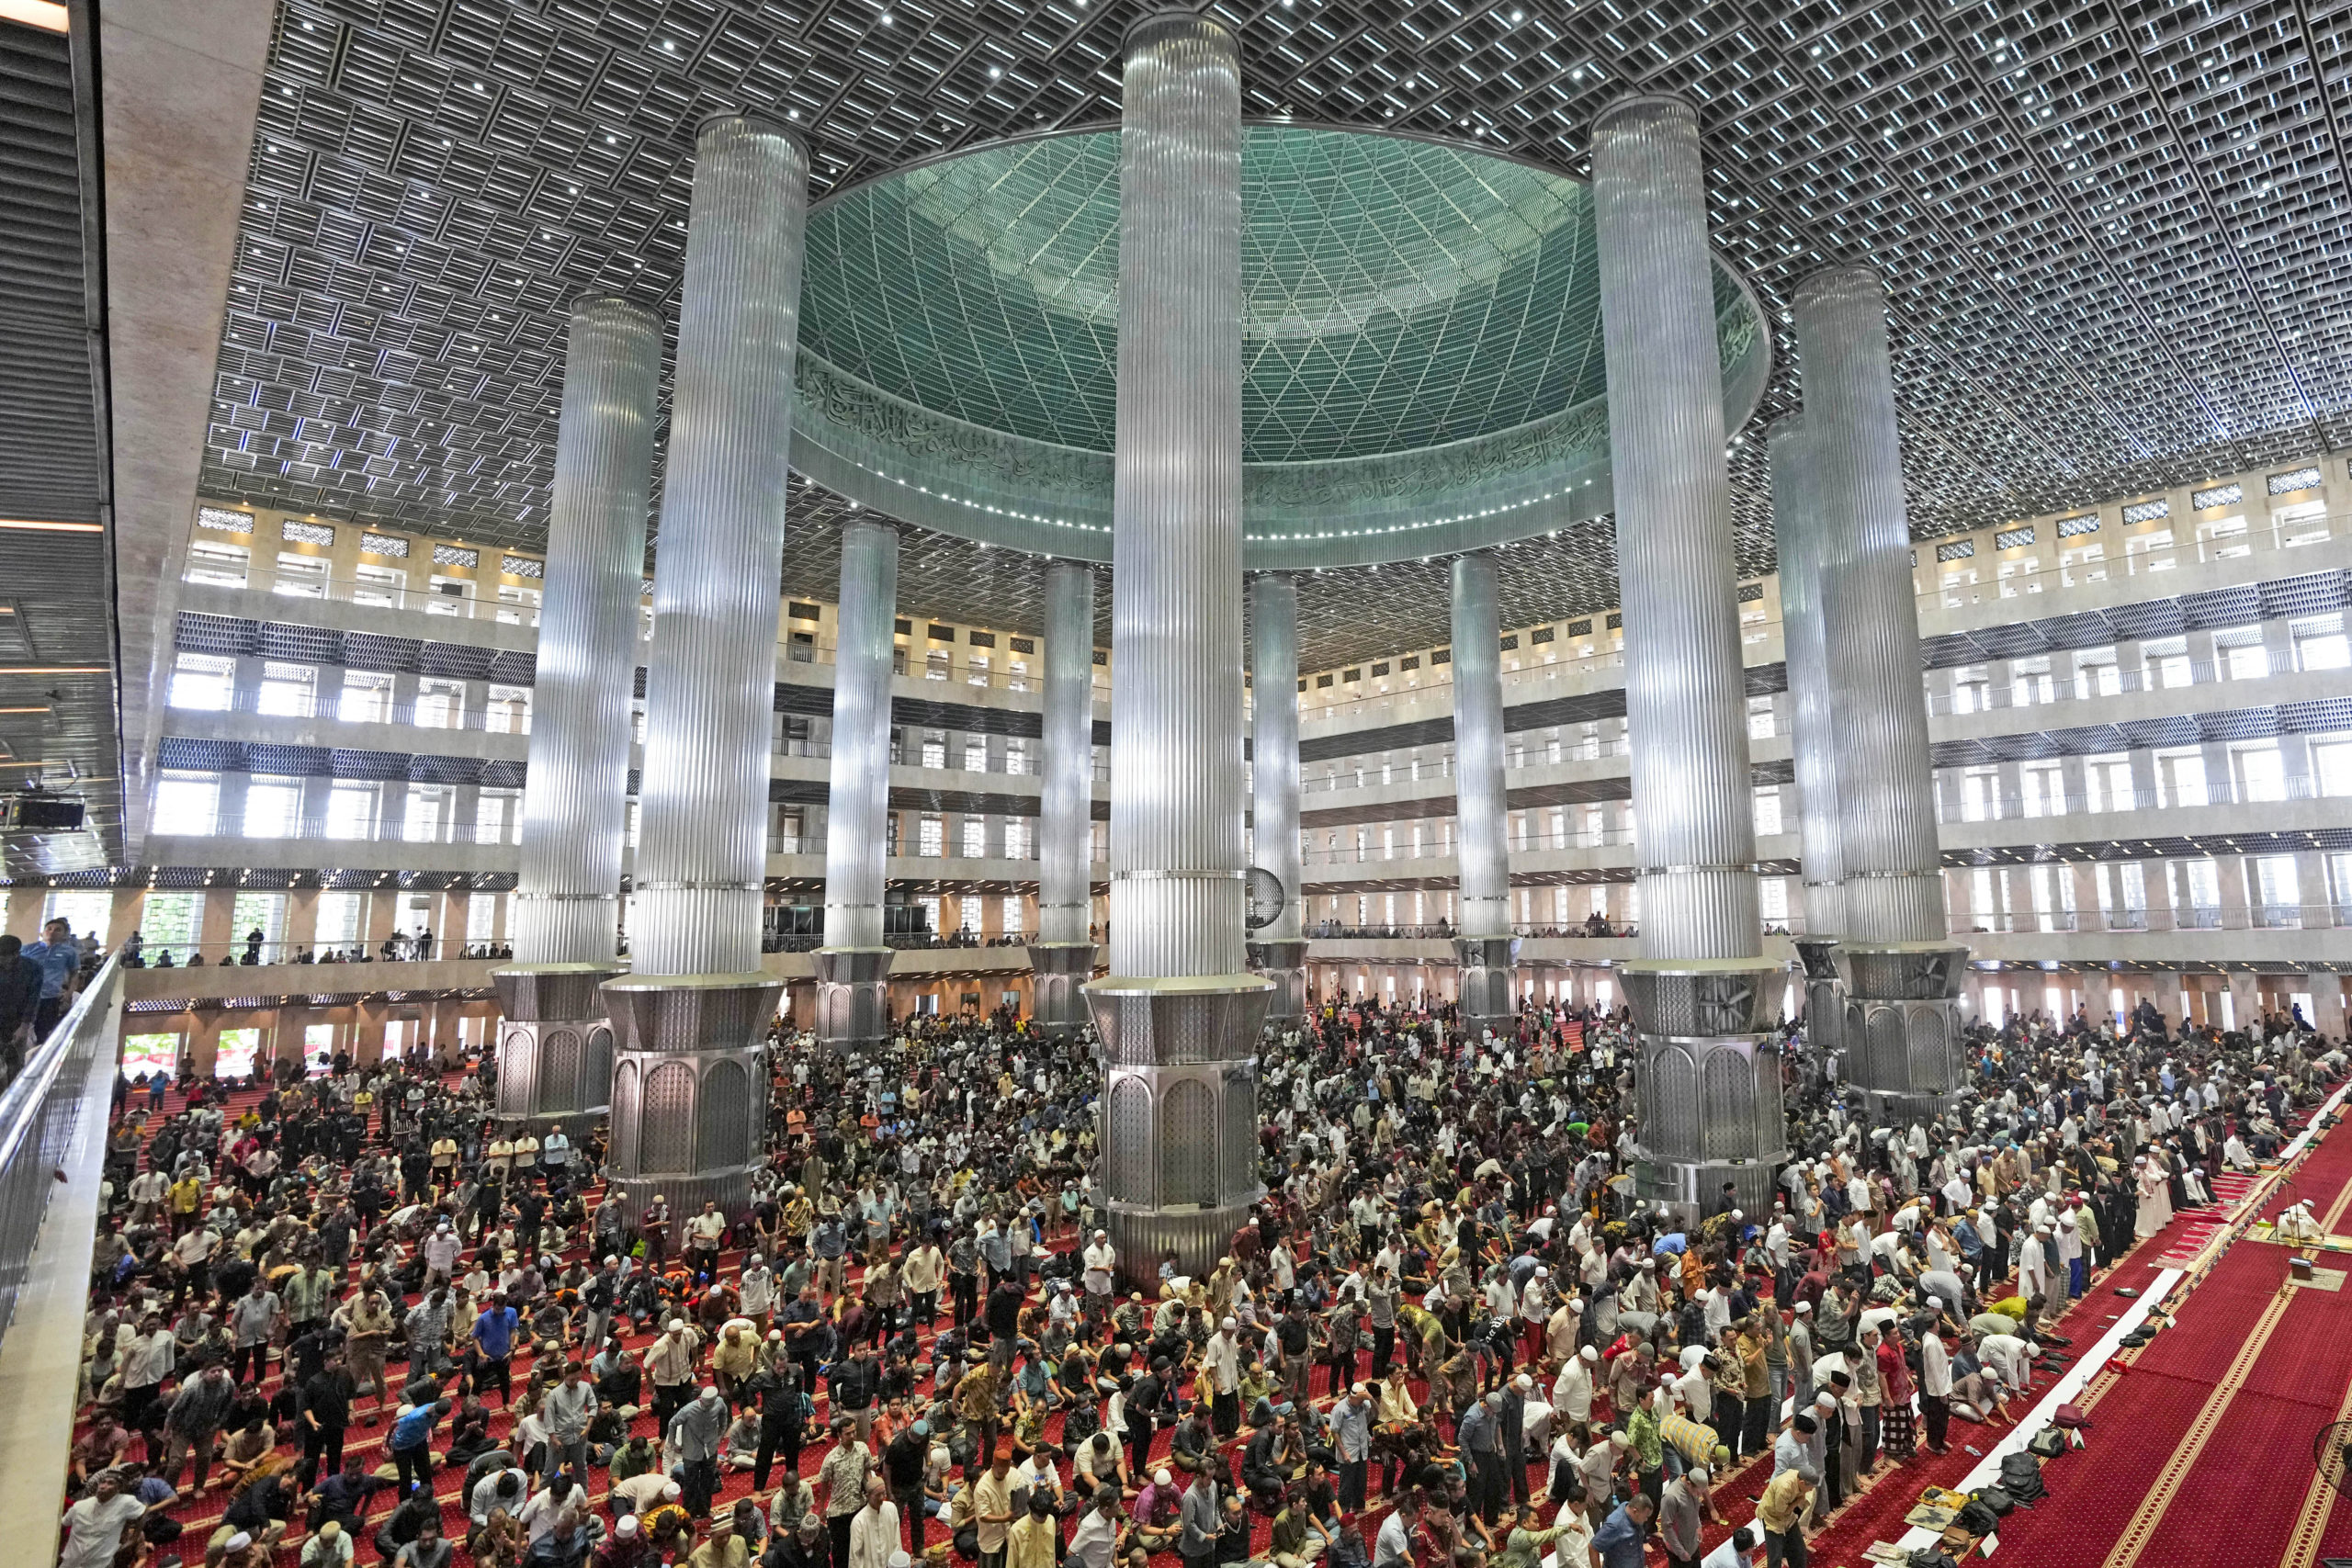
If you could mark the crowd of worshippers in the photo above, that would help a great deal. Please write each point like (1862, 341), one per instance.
(1449, 1300)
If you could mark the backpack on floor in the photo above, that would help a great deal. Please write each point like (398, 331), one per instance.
(2021, 1479)
(1997, 1500)
(2048, 1443)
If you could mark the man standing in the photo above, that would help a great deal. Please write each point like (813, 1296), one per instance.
(255, 1316)
(704, 1232)
(1352, 1437)
(1618, 1543)
(671, 1364)
(1223, 1358)
(192, 1426)
(698, 1429)
(1682, 1515)
(59, 961)
(566, 1412)
(326, 1412)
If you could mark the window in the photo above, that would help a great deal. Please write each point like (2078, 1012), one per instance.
(975, 754)
(168, 920)
(273, 808)
(217, 562)
(510, 710)
(2305, 524)
(2262, 774)
(440, 705)
(366, 698)
(2107, 783)
(1760, 718)
(1015, 922)
(2223, 538)
(203, 680)
(971, 917)
(2320, 643)
(339, 918)
(2278, 890)
(1016, 838)
(976, 672)
(482, 916)
(421, 823)
(384, 586)
(351, 811)
(2332, 767)
(449, 596)
(85, 911)
(2241, 654)
(931, 837)
(301, 576)
(518, 606)
(934, 665)
(495, 814)
(934, 750)
(233, 1056)
(144, 1054)
(2183, 775)
(1767, 810)
(186, 803)
(262, 912)
(976, 838)
(287, 689)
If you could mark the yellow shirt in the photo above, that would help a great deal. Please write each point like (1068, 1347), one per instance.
(992, 1494)
(1031, 1542)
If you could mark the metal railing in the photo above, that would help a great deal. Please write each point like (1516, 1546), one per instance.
(241, 825)
(344, 707)
(39, 1112)
(2166, 798)
(2257, 917)
(399, 948)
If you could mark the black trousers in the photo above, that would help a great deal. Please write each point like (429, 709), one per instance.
(910, 1500)
(1383, 1349)
(1937, 1410)
(321, 1446)
(698, 1484)
(776, 1438)
(415, 1468)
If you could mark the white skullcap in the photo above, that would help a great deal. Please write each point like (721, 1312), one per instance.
(1229, 1326)
(1590, 1354)
(239, 1541)
(1163, 1477)
(674, 1325)
(627, 1528)
(1522, 1382)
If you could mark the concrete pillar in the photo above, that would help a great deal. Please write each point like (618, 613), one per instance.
(690, 1022)
(2245, 1003)
(1903, 971)
(1701, 998)
(1178, 1018)
(1484, 949)
(2327, 1002)
(555, 1049)
(1062, 958)
(1277, 949)
(853, 966)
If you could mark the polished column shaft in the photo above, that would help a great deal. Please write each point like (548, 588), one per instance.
(1484, 951)
(1178, 1019)
(1903, 973)
(1062, 958)
(1277, 951)
(1700, 999)
(1798, 540)
(555, 1054)
(853, 966)
(692, 1020)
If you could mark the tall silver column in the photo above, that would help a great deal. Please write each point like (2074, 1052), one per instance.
(1701, 1000)
(1178, 1018)
(1483, 945)
(692, 1020)
(853, 966)
(555, 1050)
(1062, 958)
(1797, 536)
(1902, 970)
(1277, 951)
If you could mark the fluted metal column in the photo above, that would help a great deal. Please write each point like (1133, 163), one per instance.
(853, 966)
(555, 1050)
(1484, 948)
(1903, 971)
(1178, 1017)
(1701, 1000)
(1797, 536)
(1062, 958)
(1277, 950)
(692, 1021)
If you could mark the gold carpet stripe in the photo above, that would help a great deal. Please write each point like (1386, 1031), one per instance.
(2150, 1512)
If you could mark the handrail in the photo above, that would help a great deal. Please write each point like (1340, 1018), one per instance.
(38, 1112)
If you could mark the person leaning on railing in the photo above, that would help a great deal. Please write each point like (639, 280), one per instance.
(20, 1002)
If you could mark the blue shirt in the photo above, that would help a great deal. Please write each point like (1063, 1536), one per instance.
(1619, 1540)
(494, 1331)
(415, 1429)
(57, 966)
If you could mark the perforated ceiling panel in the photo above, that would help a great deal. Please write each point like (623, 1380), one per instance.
(2113, 232)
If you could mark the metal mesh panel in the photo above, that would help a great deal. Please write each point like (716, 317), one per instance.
(1188, 1144)
(1727, 1089)
(666, 1126)
(1858, 1044)
(1771, 1124)
(1239, 1152)
(1890, 1068)
(624, 1117)
(1673, 1127)
(517, 1066)
(726, 1133)
(1930, 1049)
(1127, 1149)
(596, 1072)
(559, 1085)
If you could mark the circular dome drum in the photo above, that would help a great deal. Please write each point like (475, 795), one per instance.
(1421, 347)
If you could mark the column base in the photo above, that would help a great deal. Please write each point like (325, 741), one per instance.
(1901, 1030)
(1179, 1141)
(1059, 972)
(1283, 961)
(853, 997)
(555, 1047)
(689, 1104)
(1485, 992)
(1712, 1101)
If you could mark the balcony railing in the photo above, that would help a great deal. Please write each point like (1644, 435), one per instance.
(248, 954)
(2166, 798)
(349, 708)
(196, 825)
(2320, 916)
(39, 1114)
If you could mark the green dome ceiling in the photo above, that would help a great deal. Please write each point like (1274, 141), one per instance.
(959, 326)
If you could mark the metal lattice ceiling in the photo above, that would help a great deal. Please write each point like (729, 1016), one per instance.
(2114, 234)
